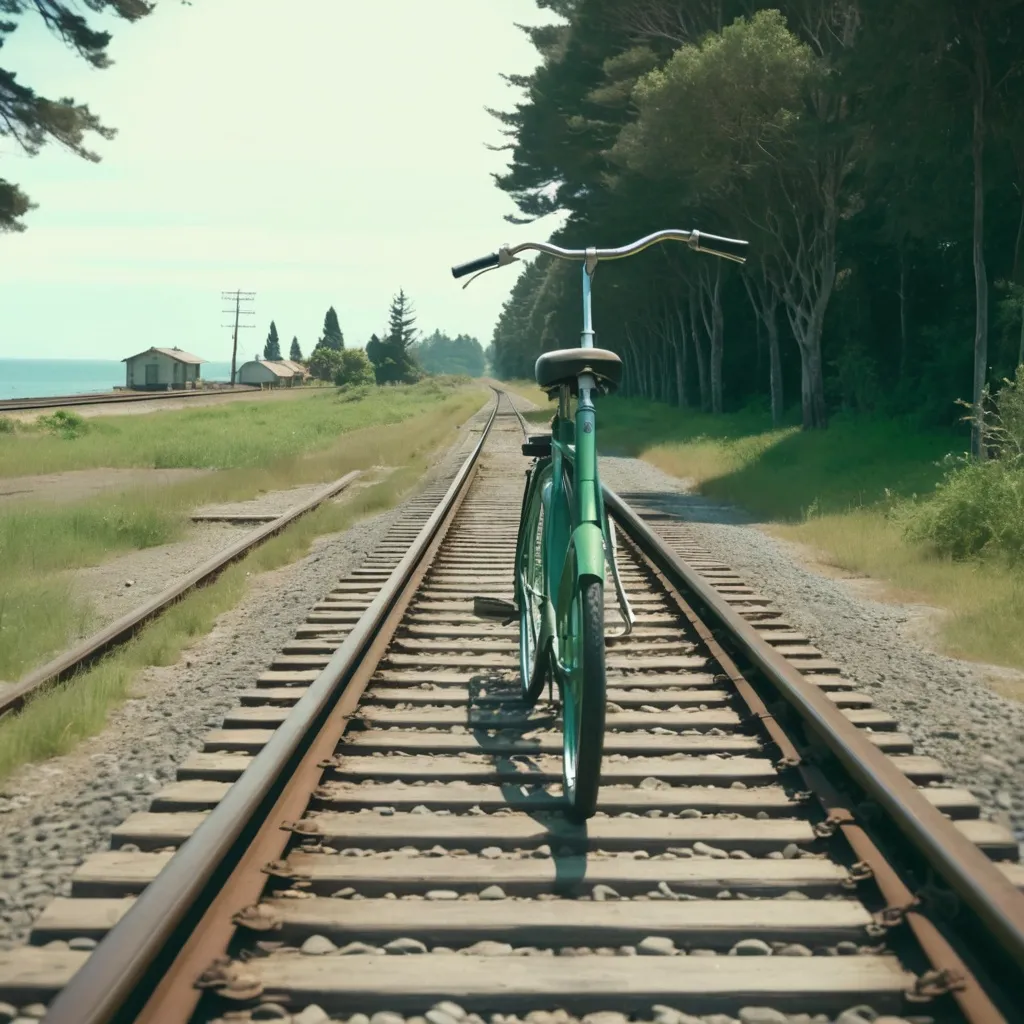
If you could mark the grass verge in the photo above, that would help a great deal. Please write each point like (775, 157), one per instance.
(39, 544)
(54, 722)
(843, 493)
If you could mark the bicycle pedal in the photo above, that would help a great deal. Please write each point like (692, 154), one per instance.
(495, 608)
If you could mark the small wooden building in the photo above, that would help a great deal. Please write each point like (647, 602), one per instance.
(266, 372)
(162, 369)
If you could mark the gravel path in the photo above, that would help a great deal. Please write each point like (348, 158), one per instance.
(54, 814)
(943, 703)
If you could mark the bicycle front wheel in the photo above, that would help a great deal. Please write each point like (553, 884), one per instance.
(531, 593)
(583, 697)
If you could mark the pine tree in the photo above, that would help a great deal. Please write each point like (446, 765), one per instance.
(391, 357)
(295, 355)
(272, 349)
(332, 338)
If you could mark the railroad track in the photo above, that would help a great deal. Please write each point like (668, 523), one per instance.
(376, 829)
(94, 647)
(112, 398)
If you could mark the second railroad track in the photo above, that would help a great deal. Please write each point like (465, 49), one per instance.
(375, 832)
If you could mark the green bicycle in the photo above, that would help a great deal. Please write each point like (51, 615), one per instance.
(566, 540)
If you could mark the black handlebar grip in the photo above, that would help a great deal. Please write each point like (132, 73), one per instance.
(728, 246)
(481, 264)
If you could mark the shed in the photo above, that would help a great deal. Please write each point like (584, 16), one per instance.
(266, 371)
(162, 369)
(300, 370)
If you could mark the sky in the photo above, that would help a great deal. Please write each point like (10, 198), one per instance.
(322, 152)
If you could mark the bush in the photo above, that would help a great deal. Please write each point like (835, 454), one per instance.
(6, 425)
(66, 424)
(978, 507)
(324, 363)
(353, 368)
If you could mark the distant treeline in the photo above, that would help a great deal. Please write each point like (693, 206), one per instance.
(871, 151)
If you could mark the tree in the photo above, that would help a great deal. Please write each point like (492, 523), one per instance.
(354, 368)
(441, 354)
(272, 348)
(295, 353)
(332, 336)
(324, 363)
(771, 150)
(33, 120)
(391, 358)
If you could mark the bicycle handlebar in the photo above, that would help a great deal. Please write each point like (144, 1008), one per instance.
(699, 241)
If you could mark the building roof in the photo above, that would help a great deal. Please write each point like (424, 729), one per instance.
(278, 369)
(174, 353)
(292, 365)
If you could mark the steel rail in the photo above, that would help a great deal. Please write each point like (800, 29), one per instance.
(113, 398)
(107, 985)
(900, 903)
(965, 868)
(122, 629)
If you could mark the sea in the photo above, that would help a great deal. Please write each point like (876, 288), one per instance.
(41, 378)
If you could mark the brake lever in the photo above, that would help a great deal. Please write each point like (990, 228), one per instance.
(504, 259)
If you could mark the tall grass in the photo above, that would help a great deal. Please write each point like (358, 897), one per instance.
(39, 543)
(54, 722)
(230, 436)
(869, 496)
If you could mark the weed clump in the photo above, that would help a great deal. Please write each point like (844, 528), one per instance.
(68, 425)
(977, 509)
(6, 425)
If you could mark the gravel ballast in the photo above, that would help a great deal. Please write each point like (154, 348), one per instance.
(54, 814)
(944, 704)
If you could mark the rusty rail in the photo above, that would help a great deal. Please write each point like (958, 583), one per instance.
(969, 872)
(122, 629)
(114, 398)
(117, 979)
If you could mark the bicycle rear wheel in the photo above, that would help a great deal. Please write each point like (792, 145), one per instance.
(531, 593)
(581, 649)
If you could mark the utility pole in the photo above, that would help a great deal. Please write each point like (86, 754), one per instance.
(238, 297)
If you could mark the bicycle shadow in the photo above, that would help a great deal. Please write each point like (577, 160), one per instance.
(500, 723)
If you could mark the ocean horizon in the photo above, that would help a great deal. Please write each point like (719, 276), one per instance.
(43, 378)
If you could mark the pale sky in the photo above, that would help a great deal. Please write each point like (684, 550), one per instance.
(317, 152)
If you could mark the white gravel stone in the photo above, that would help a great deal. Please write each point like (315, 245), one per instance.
(762, 1015)
(948, 706)
(404, 946)
(312, 1014)
(492, 892)
(751, 947)
(656, 945)
(318, 945)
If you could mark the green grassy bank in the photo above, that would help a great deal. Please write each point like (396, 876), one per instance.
(867, 496)
(252, 448)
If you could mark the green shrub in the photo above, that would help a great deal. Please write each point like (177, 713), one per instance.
(977, 509)
(65, 424)
(353, 368)
(6, 425)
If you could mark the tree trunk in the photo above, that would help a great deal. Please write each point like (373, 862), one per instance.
(682, 362)
(775, 368)
(698, 348)
(904, 351)
(1020, 351)
(714, 324)
(764, 298)
(979, 90)
(978, 250)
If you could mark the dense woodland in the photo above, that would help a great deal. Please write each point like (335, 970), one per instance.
(872, 152)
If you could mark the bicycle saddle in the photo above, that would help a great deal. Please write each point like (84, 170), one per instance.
(564, 365)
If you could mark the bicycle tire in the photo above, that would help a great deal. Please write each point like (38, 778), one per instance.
(583, 699)
(531, 591)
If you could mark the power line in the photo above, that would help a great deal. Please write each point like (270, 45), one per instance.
(238, 297)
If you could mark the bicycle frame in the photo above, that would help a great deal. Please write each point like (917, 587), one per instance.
(581, 545)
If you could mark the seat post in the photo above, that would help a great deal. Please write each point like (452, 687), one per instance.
(589, 266)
